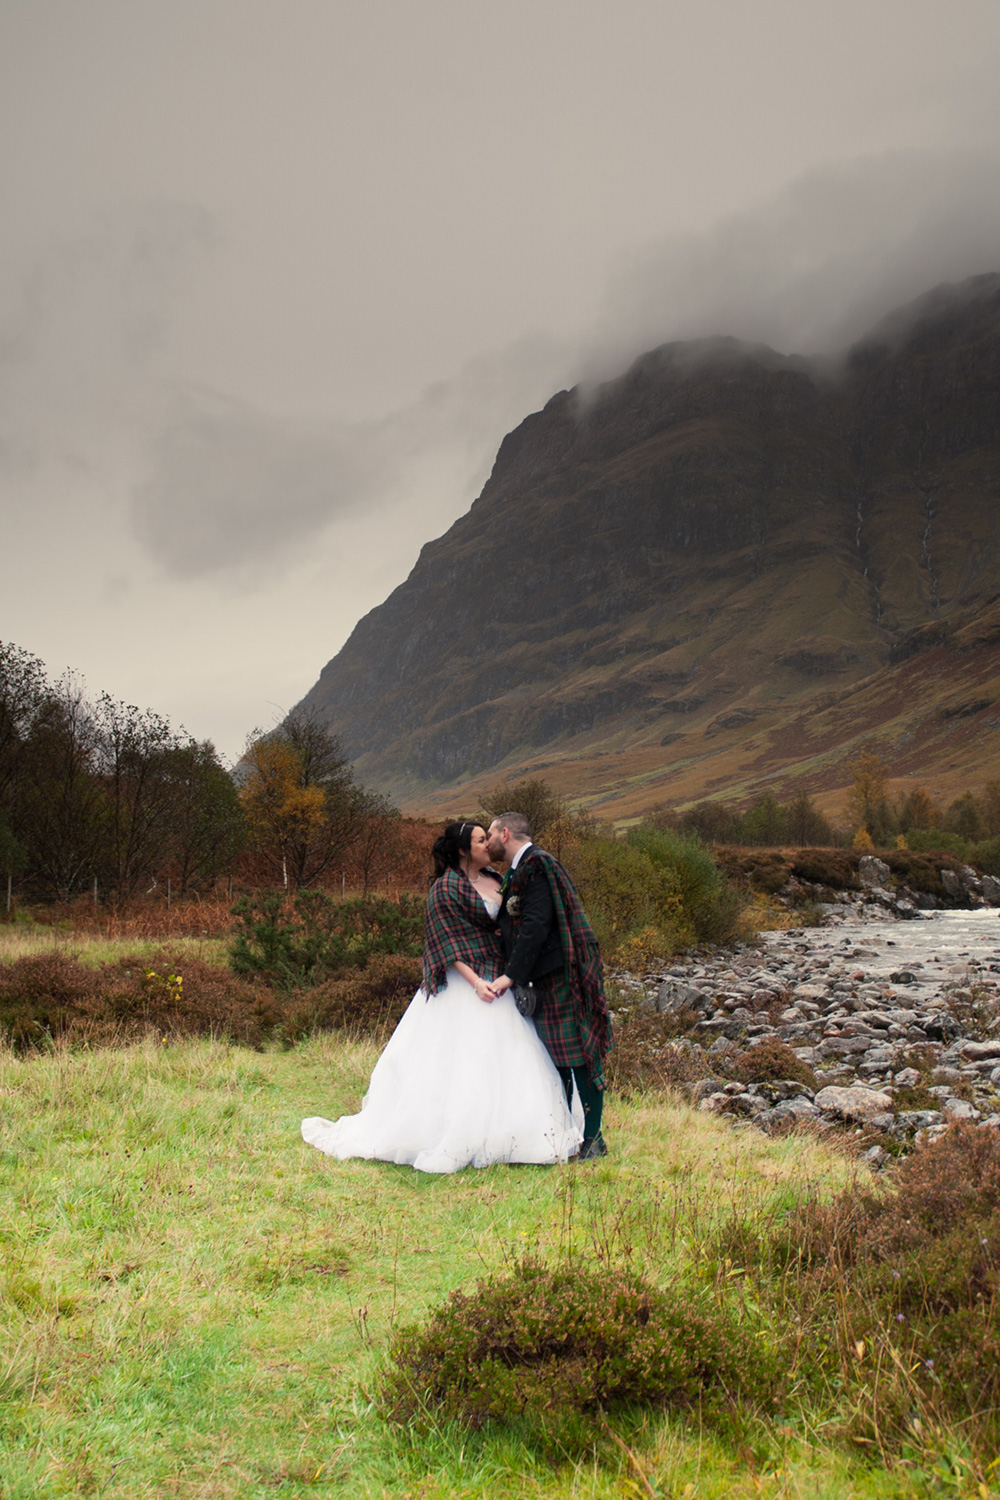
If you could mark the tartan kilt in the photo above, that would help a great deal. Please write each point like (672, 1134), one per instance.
(555, 1022)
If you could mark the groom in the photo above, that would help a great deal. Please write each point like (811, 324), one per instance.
(549, 944)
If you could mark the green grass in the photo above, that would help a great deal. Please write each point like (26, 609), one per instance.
(195, 1303)
(24, 941)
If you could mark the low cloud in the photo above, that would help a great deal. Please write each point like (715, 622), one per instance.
(816, 266)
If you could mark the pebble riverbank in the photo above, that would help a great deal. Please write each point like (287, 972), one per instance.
(860, 1000)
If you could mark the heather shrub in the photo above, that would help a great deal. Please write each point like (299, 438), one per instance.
(770, 1061)
(305, 940)
(369, 1001)
(836, 868)
(764, 870)
(646, 1054)
(920, 871)
(51, 998)
(895, 1290)
(552, 1348)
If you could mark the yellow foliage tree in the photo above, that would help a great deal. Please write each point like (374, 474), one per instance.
(867, 798)
(303, 807)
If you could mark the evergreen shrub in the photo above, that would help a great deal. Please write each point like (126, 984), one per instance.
(309, 938)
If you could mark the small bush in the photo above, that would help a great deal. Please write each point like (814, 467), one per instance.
(308, 939)
(985, 857)
(710, 904)
(765, 870)
(936, 841)
(368, 1002)
(920, 871)
(546, 1347)
(626, 895)
(770, 1061)
(50, 998)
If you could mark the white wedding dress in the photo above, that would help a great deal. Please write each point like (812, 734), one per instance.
(461, 1083)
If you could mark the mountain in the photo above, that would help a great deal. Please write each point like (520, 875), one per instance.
(715, 574)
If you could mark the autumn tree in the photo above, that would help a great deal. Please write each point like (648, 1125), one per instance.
(302, 803)
(989, 803)
(373, 852)
(964, 817)
(916, 810)
(23, 690)
(867, 799)
(806, 824)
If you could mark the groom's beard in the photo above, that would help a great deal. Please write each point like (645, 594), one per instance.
(497, 852)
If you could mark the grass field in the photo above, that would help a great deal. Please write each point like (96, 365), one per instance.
(196, 1304)
(24, 941)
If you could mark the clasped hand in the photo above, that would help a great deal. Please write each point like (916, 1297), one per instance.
(491, 989)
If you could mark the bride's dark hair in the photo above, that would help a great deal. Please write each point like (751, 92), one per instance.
(453, 843)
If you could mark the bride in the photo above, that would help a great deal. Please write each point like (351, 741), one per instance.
(464, 1080)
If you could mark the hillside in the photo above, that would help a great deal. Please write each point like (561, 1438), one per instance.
(715, 573)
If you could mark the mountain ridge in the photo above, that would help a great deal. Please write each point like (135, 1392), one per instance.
(691, 556)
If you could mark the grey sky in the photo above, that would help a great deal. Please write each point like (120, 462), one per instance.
(276, 278)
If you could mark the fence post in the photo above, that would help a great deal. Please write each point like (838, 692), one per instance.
(10, 881)
(168, 891)
(95, 892)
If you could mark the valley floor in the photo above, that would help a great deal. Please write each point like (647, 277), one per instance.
(195, 1304)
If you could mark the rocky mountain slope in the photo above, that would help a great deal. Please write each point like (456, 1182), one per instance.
(716, 573)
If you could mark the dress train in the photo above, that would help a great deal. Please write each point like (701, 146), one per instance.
(460, 1083)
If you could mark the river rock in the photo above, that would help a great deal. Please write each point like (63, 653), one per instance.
(960, 1109)
(857, 1103)
(675, 995)
(873, 873)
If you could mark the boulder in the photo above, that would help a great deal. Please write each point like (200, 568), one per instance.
(976, 1051)
(792, 1110)
(675, 995)
(855, 1103)
(960, 1109)
(873, 873)
(991, 890)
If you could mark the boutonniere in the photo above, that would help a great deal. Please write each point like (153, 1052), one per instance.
(513, 905)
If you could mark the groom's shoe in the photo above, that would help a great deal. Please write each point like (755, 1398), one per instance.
(593, 1149)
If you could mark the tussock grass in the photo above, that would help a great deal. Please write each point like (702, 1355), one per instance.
(193, 1303)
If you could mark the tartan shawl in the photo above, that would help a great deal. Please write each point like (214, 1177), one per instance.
(584, 972)
(458, 926)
